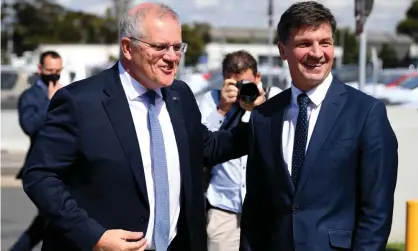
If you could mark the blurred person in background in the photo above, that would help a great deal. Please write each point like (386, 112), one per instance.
(322, 171)
(118, 164)
(32, 107)
(221, 110)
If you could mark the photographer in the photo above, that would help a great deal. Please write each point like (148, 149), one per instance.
(223, 109)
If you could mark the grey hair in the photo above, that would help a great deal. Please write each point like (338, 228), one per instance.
(130, 24)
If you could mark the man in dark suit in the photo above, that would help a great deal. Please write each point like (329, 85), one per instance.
(119, 162)
(322, 170)
(32, 107)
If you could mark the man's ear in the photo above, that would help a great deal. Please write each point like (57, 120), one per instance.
(258, 77)
(282, 51)
(40, 69)
(126, 47)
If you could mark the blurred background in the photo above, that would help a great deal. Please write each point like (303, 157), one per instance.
(85, 34)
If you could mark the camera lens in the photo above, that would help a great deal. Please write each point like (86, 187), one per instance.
(248, 91)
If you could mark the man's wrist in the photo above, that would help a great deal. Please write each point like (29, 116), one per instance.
(223, 110)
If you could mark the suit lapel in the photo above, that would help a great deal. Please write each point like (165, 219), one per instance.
(118, 111)
(330, 110)
(276, 127)
(174, 108)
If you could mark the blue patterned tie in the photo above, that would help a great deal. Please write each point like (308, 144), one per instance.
(301, 137)
(159, 168)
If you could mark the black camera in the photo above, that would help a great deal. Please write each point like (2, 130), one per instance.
(247, 91)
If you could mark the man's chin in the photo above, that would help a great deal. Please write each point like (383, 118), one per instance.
(317, 77)
(164, 82)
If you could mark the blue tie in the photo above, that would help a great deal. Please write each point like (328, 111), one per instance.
(301, 137)
(160, 176)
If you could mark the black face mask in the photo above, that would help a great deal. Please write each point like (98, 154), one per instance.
(46, 78)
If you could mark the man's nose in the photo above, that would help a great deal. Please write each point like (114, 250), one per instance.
(171, 54)
(316, 51)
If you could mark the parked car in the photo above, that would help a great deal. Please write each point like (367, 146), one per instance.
(14, 80)
(404, 77)
(410, 83)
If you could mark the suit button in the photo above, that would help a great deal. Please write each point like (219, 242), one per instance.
(142, 220)
(295, 210)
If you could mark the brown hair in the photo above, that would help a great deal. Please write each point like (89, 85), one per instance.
(238, 62)
(308, 13)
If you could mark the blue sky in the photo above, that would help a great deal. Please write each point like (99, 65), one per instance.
(252, 13)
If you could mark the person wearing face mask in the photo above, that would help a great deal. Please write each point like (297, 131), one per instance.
(32, 108)
(226, 190)
(321, 173)
(118, 164)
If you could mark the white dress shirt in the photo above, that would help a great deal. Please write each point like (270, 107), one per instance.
(227, 187)
(316, 96)
(139, 110)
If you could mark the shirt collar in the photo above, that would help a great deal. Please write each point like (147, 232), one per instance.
(133, 88)
(316, 95)
(43, 86)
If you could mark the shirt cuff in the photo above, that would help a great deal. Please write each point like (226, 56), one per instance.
(214, 120)
(246, 117)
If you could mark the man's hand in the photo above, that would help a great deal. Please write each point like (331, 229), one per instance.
(53, 88)
(229, 94)
(121, 240)
(260, 99)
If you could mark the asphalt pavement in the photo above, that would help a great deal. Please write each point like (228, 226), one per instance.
(17, 212)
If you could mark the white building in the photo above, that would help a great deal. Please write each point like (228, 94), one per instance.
(77, 58)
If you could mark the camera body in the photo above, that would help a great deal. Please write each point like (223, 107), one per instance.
(247, 91)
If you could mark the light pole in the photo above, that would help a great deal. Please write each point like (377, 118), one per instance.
(362, 9)
(270, 41)
(10, 29)
(120, 6)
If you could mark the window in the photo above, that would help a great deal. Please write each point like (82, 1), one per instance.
(72, 76)
(8, 80)
(410, 83)
(32, 78)
(350, 73)
(388, 78)
(277, 81)
(264, 60)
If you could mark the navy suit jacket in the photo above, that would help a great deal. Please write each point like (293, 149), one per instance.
(345, 195)
(85, 172)
(32, 107)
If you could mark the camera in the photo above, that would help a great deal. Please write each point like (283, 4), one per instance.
(247, 91)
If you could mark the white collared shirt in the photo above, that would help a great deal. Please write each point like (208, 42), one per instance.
(227, 187)
(139, 110)
(316, 96)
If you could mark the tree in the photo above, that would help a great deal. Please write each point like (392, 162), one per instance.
(203, 30)
(44, 21)
(196, 43)
(350, 44)
(388, 56)
(409, 26)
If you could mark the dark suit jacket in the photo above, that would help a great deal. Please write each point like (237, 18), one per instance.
(32, 107)
(344, 198)
(85, 172)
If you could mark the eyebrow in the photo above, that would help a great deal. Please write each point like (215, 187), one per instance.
(300, 40)
(51, 69)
